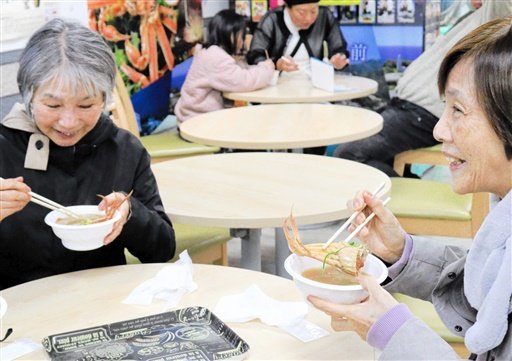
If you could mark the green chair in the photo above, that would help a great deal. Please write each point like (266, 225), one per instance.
(204, 244)
(432, 208)
(161, 147)
(170, 145)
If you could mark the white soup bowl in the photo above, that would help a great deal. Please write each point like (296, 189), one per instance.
(81, 237)
(349, 294)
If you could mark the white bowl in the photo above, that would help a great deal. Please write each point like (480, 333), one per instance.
(295, 265)
(81, 237)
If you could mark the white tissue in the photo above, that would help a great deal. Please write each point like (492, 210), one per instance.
(18, 348)
(254, 304)
(3, 307)
(169, 284)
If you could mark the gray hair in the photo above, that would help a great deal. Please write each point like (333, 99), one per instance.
(69, 54)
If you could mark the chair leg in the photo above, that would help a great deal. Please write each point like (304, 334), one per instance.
(461, 349)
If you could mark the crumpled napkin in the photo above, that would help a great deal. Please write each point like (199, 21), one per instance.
(169, 284)
(254, 304)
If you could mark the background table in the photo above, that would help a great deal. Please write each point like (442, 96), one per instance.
(259, 190)
(281, 126)
(90, 298)
(298, 89)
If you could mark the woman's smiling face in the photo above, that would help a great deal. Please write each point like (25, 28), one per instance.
(476, 155)
(65, 116)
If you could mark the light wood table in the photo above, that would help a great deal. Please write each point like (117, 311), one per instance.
(298, 89)
(78, 300)
(282, 126)
(250, 191)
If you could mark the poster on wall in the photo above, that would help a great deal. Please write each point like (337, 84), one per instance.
(258, 9)
(386, 11)
(406, 11)
(243, 7)
(348, 14)
(367, 12)
(148, 38)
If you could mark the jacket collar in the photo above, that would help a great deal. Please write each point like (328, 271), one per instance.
(38, 148)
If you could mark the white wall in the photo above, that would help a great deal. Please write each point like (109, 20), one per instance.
(212, 7)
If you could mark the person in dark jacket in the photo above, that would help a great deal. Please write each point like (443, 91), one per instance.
(62, 146)
(294, 33)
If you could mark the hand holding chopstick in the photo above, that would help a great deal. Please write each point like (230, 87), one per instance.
(45, 202)
(352, 217)
(368, 219)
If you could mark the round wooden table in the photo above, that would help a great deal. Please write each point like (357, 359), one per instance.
(281, 126)
(298, 89)
(78, 300)
(250, 191)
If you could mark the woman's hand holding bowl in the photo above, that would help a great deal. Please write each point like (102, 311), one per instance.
(124, 209)
(358, 317)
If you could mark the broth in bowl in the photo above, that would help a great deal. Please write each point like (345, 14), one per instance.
(330, 275)
(344, 294)
(84, 220)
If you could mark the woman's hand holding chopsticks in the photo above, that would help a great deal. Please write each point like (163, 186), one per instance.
(383, 236)
(14, 196)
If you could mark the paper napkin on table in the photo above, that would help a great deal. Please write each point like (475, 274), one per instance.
(169, 284)
(20, 347)
(254, 304)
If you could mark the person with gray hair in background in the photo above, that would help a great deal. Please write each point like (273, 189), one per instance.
(61, 145)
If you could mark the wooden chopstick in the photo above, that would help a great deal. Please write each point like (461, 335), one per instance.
(358, 228)
(352, 217)
(45, 202)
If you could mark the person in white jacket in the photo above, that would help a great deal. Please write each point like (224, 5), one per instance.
(413, 113)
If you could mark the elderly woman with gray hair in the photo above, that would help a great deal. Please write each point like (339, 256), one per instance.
(61, 145)
(471, 291)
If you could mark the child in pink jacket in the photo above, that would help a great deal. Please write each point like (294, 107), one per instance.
(215, 70)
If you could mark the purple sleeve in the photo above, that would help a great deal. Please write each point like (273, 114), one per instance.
(385, 327)
(399, 265)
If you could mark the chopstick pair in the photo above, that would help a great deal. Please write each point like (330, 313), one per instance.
(353, 216)
(45, 202)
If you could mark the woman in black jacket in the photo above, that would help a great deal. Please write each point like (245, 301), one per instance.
(60, 144)
(294, 33)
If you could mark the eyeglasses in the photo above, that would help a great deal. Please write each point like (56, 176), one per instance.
(7, 334)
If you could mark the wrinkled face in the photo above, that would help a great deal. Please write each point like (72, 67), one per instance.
(65, 116)
(304, 15)
(476, 155)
